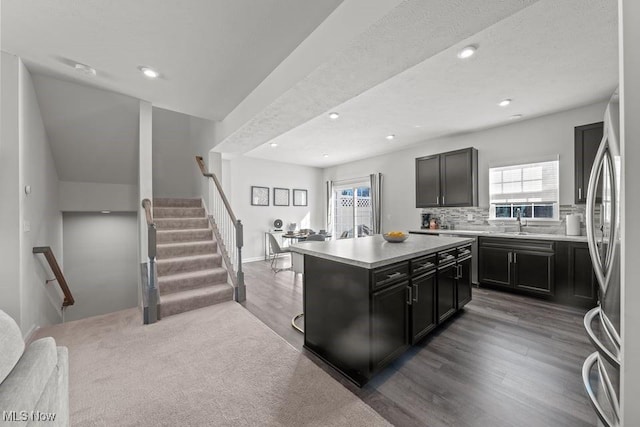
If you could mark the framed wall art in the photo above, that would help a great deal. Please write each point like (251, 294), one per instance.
(299, 197)
(259, 196)
(280, 196)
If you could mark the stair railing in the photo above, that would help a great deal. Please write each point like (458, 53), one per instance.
(57, 272)
(229, 233)
(149, 270)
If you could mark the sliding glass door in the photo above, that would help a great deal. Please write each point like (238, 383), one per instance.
(352, 210)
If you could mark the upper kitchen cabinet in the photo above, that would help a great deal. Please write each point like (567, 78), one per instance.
(447, 179)
(587, 141)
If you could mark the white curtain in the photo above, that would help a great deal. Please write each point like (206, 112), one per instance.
(329, 206)
(376, 192)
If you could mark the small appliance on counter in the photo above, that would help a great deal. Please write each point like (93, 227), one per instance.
(433, 224)
(426, 218)
(573, 225)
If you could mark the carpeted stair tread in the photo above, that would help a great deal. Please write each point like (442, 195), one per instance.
(174, 250)
(177, 203)
(181, 223)
(188, 263)
(191, 280)
(160, 212)
(189, 235)
(180, 302)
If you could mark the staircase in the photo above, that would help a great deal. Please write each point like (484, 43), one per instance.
(190, 271)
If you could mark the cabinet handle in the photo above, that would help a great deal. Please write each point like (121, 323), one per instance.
(427, 265)
(394, 275)
(459, 271)
(437, 200)
(579, 193)
(443, 199)
(515, 258)
(410, 296)
(415, 293)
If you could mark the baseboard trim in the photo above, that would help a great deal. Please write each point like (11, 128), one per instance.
(255, 258)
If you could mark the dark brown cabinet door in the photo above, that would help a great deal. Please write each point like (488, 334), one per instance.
(464, 283)
(423, 306)
(495, 266)
(533, 271)
(390, 319)
(582, 279)
(587, 141)
(457, 178)
(446, 293)
(428, 181)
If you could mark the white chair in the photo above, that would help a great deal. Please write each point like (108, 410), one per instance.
(276, 251)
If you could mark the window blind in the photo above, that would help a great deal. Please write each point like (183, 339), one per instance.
(531, 182)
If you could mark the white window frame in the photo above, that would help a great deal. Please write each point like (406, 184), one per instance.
(515, 202)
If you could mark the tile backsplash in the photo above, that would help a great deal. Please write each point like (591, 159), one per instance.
(458, 218)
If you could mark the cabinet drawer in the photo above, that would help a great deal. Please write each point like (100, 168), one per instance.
(447, 257)
(518, 244)
(388, 275)
(464, 251)
(423, 264)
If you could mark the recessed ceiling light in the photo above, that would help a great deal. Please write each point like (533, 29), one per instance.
(467, 52)
(274, 144)
(390, 137)
(334, 115)
(325, 155)
(90, 71)
(105, 212)
(504, 102)
(150, 72)
(515, 117)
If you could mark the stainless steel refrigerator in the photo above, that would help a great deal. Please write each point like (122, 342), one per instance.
(601, 370)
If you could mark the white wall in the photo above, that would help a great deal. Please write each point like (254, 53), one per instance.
(202, 135)
(40, 303)
(630, 104)
(100, 262)
(174, 165)
(522, 141)
(243, 172)
(10, 192)
(145, 174)
(96, 197)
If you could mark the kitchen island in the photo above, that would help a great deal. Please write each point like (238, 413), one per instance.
(366, 300)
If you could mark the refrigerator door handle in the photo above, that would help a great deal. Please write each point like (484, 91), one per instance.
(586, 370)
(614, 359)
(598, 163)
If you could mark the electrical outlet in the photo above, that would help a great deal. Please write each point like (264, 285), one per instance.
(26, 226)
(469, 217)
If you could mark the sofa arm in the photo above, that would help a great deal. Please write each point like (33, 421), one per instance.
(23, 387)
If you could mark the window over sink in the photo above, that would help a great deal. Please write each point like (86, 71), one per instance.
(530, 190)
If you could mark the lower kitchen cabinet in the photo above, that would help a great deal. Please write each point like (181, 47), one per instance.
(533, 271)
(423, 308)
(575, 279)
(463, 291)
(447, 275)
(494, 265)
(390, 316)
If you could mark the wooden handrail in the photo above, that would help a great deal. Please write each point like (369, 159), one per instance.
(203, 169)
(146, 204)
(57, 272)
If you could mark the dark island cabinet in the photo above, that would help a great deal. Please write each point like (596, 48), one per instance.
(447, 179)
(463, 284)
(447, 275)
(423, 308)
(390, 314)
(586, 143)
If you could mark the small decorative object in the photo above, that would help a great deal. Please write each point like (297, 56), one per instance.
(291, 227)
(259, 196)
(299, 197)
(433, 224)
(395, 236)
(277, 225)
(280, 196)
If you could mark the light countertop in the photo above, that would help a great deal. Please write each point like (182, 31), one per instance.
(487, 233)
(373, 251)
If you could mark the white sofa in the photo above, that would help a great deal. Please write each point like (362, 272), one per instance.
(33, 382)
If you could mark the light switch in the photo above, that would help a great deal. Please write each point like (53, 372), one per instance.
(26, 226)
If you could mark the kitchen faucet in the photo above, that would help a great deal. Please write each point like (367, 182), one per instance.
(519, 220)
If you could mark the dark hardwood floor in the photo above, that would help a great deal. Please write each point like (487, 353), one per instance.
(505, 360)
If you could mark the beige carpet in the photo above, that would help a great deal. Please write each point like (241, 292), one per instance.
(217, 366)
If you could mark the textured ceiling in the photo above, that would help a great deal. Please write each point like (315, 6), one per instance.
(411, 33)
(93, 133)
(211, 53)
(548, 57)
